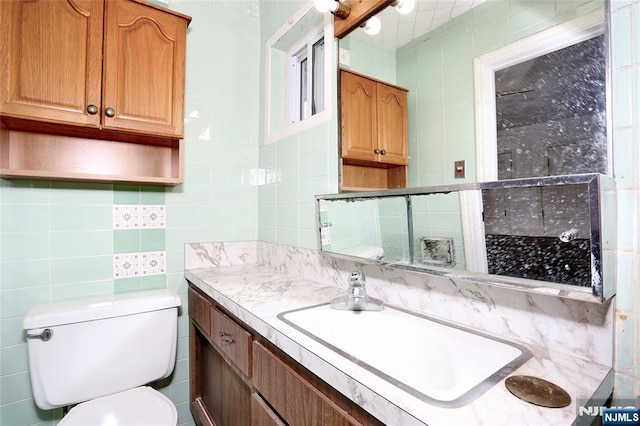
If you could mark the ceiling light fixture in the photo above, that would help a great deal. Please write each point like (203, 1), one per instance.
(372, 26)
(404, 6)
(339, 8)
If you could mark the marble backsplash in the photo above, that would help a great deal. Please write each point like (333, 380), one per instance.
(580, 329)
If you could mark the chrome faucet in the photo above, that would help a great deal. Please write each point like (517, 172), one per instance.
(356, 298)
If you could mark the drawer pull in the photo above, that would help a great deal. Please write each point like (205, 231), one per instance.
(225, 338)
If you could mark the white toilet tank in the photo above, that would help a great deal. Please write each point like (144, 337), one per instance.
(101, 345)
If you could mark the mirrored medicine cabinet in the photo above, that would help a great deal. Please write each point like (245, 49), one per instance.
(550, 235)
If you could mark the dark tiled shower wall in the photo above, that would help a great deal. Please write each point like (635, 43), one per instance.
(540, 258)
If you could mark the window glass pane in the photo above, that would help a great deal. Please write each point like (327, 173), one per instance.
(306, 80)
(318, 77)
(303, 88)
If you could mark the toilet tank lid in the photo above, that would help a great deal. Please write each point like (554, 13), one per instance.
(99, 307)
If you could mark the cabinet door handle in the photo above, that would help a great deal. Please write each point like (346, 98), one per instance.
(225, 338)
(376, 151)
(383, 152)
(92, 109)
(109, 112)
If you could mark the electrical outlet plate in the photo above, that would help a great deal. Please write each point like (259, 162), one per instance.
(459, 169)
(325, 236)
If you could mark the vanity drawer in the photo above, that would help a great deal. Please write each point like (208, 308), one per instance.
(232, 339)
(199, 311)
(295, 399)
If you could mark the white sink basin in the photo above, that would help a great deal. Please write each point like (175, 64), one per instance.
(440, 363)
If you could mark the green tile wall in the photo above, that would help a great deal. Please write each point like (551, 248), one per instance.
(299, 166)
(369, 58)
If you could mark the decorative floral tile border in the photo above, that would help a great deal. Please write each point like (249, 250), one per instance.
(136, 216)
(126, 217)
(153, 217)
(127, 265)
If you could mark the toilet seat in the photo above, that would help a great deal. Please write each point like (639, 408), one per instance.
(134, 407)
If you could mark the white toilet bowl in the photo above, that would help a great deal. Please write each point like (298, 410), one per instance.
(134, 407)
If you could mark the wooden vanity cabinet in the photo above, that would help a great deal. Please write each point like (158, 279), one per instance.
(87, 71)
(248, 381)
(374, 133)
(220, 390)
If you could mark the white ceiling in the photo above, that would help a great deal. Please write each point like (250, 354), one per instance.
(398, 30)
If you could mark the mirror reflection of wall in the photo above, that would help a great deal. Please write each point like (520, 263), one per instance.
(540, 233)
(370, 229)
(537, 211)
(437, 230)
(393, 229)
(550, 113)
(367, 57)
(437, 69)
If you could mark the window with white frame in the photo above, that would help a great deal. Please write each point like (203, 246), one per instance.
(299, 74)
(306, 79)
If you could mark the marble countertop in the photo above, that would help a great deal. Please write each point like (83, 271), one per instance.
(257, 294)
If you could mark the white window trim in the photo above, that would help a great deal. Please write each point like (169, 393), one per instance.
(329, 72)
(485, 66)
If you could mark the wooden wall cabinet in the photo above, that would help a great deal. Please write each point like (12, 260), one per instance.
(238, 378)
(79, 73)
(374, 133)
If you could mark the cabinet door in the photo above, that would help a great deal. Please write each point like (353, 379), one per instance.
(144, 66)
(296, 400)
(358, 117)
(262, 414)
(226, 398)
(51, 59)
(392, 124)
